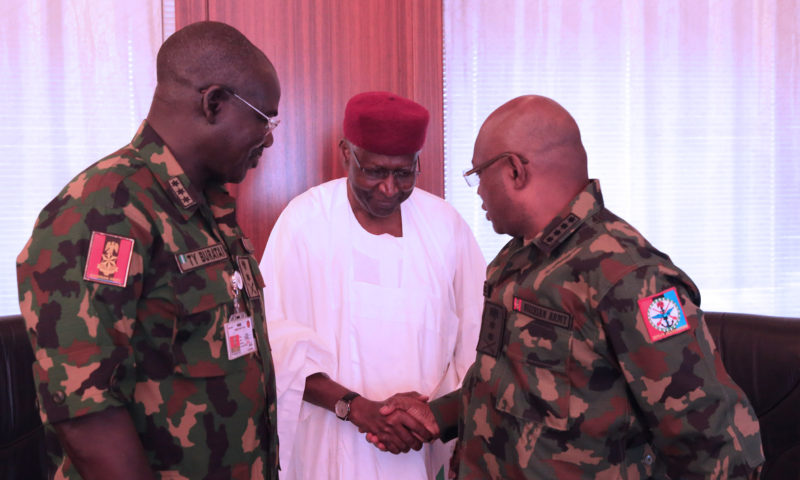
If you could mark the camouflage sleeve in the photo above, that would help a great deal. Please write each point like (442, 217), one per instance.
(81, 330)
(700, 420)
(446, 410)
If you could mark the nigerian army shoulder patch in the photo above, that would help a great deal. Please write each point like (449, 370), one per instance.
(109, 259)
(663, 315)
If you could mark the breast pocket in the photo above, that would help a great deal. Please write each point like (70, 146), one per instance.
(205, 302)
(533, 383)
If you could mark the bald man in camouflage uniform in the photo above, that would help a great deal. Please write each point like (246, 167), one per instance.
(142, 297)
(594, 361)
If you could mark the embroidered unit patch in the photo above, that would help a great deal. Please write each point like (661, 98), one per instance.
(663, 315)
(109, 259)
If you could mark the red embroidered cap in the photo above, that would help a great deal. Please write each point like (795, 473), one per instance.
(385, 123)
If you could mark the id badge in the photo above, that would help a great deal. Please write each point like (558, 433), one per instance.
(239, 336)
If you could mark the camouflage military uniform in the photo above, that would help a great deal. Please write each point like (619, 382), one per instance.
(569, 383)
(155, 346)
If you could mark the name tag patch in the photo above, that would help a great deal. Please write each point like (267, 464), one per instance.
(204, 256)
(109, 259)
(493, 326)
(663, 315)
(543, 314)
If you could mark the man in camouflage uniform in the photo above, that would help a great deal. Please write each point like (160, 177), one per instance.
(594, 361)
(142, 297)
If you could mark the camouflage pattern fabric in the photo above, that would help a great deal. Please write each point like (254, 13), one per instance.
(569, 384)
(155, 346)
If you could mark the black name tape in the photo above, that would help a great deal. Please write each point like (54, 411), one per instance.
(543, 314)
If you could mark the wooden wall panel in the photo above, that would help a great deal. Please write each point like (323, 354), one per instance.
(325, 51)
(188, 11)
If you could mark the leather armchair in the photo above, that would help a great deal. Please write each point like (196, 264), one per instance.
(22, 439)
(762, 355)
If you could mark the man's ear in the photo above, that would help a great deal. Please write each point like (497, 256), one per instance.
(518, 172)
(211, 102)
(344, 148)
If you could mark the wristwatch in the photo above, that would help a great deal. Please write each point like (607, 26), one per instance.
(342, 407)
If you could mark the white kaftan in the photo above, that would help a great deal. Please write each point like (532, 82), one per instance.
(378, 314)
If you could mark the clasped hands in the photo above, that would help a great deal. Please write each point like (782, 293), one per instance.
(398, 424)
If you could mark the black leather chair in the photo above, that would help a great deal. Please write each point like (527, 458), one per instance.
(761, 354)
(22, 439)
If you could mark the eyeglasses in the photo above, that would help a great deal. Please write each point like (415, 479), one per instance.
(272, 122)
(472, 176)
(404, 177)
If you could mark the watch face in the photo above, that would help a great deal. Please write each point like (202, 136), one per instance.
(341, 408)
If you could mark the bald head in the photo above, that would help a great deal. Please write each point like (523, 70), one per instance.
(548, 166)
(543, 131)
(206, 53)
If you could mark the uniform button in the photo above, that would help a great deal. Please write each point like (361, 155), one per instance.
(648, 459)
(59, 397)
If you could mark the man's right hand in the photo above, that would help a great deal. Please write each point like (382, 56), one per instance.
(401, 407)
(397, 431)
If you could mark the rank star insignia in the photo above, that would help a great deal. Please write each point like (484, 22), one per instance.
(249, 282)
(180, 192)
(663, 315)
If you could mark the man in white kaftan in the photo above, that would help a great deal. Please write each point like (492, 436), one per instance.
(377, 314)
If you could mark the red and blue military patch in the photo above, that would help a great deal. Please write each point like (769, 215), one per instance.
(663, 315)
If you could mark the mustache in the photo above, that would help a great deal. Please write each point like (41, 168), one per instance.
(256, 153)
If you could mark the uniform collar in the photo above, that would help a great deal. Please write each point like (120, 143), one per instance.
(166, 169)
(584, 205)
(518, 255)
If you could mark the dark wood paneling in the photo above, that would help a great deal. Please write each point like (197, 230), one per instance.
(188, 11)
(325, 51)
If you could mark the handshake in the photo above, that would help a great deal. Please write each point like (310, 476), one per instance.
(398, 424)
